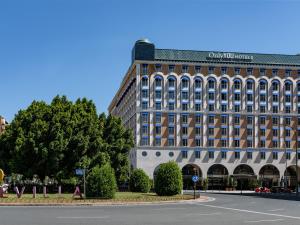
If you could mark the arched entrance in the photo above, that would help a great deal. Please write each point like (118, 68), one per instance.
(217, 176)
(155, 172)
(291, 176)
(245, 177)
(269, 176)
(188, 171)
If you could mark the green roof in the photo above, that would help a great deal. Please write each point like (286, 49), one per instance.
(204, 56)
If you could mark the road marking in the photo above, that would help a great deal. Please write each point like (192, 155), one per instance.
(275, 210)
(260, 221)
(203, 214)
(249, 211)
(82, 217)
(168, 208)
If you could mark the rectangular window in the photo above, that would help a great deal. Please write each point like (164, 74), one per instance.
(144, 130)
(236, 131)
(171, 141)
(288, 156)
(288, 144)
(262, 120)
(158, 67)
(171, 95)
(236, 120)
(223, 154)
(287, 132)
(237, 108)
(198, 131)
(198, 69)
(275, 109)
(211, 96)
(237, 71)
(287, 109)
(144, 141)
(237, 155)
(262, 132)
(275, 155)
(158, 130)
(211, 143)
(237, 97)
(274, 72)
(197, 154)
(144, 105)
(288, 73)
(158, 118)
(144, 93)
(249, 108)
(223, 143)
(224, 96)
(211, 108)
(211, 69)
(157, 141)
(197, 107)
(249, 144)
(198, 142)
(197, 95)
(249, 120)
(184, 106)
(184, 154)
(211, 154)
(262, 72)
(144, 118)
(210, 131)
(287, 121)
(184, 131)
(275, 120)
(236, 143)
(211, 119)
(198, 119)
(171, 68)
(249, 132)
(250, 71)
(158, 105)
(224, 70)
(262, 155)
(184, 142)
(262, 143)
(249, 155)
(223, 131)
(184, 95)
(275, 144)
(262, 109)
(144, 69)
(184, 119)
(185, 68)
(171, 106)
(249, 97)
(171, 130)
(224, 119)
(171, 118)
(224, 108)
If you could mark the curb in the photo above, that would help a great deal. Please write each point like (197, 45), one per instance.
(202, 199)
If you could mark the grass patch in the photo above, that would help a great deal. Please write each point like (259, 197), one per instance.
(67, 198)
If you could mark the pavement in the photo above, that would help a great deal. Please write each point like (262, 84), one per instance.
(224, 210)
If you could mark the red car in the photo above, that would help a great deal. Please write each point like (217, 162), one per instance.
(262, 190)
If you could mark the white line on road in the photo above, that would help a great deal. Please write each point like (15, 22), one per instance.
(82, 217)
(260, 221)
(168, 208)
(275, 210)
(249, 211)
(203, 214)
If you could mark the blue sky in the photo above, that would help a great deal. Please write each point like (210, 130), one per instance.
(81, 48)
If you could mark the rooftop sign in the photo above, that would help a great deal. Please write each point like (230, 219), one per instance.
(229, 56)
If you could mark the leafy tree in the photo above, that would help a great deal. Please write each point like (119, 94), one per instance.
(101, 182)
(168, 180)
(139, 181)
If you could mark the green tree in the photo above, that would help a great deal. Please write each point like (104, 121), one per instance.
(139, 181)
(168, 180)
(101, 182)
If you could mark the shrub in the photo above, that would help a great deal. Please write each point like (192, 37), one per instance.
(101, 182)
(139, 181)
(168, 180)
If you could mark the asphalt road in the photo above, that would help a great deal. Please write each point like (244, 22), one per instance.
(225, 210)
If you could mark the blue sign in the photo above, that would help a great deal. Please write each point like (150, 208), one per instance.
(79, 172)
(195, 178)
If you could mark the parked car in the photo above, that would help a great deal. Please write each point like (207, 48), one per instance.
(279, 189)
(262, 190)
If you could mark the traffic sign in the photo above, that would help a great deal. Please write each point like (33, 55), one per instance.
(79, 172)
(195, 178)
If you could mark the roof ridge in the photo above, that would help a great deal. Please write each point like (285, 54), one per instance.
(274, 54)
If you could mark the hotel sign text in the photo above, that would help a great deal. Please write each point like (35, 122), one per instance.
(229, 56)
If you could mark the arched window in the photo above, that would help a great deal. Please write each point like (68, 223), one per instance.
(288, 86)
(262, 85)
(158, 82)
(197, 83)
(275, 86)
(237, 85)
(171, 82)
(211, 84)
(298, 86)
(223, 84)
(184, 83)
(249, 85)
(144, 82)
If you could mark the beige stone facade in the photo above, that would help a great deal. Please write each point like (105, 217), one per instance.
(2, 124)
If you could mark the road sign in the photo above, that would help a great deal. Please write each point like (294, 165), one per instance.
(79, 172)
(195, 178)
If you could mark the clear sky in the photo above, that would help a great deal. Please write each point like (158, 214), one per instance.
(82, 48)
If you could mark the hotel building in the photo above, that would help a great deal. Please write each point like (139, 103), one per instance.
(217, 114)
(2, 124)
